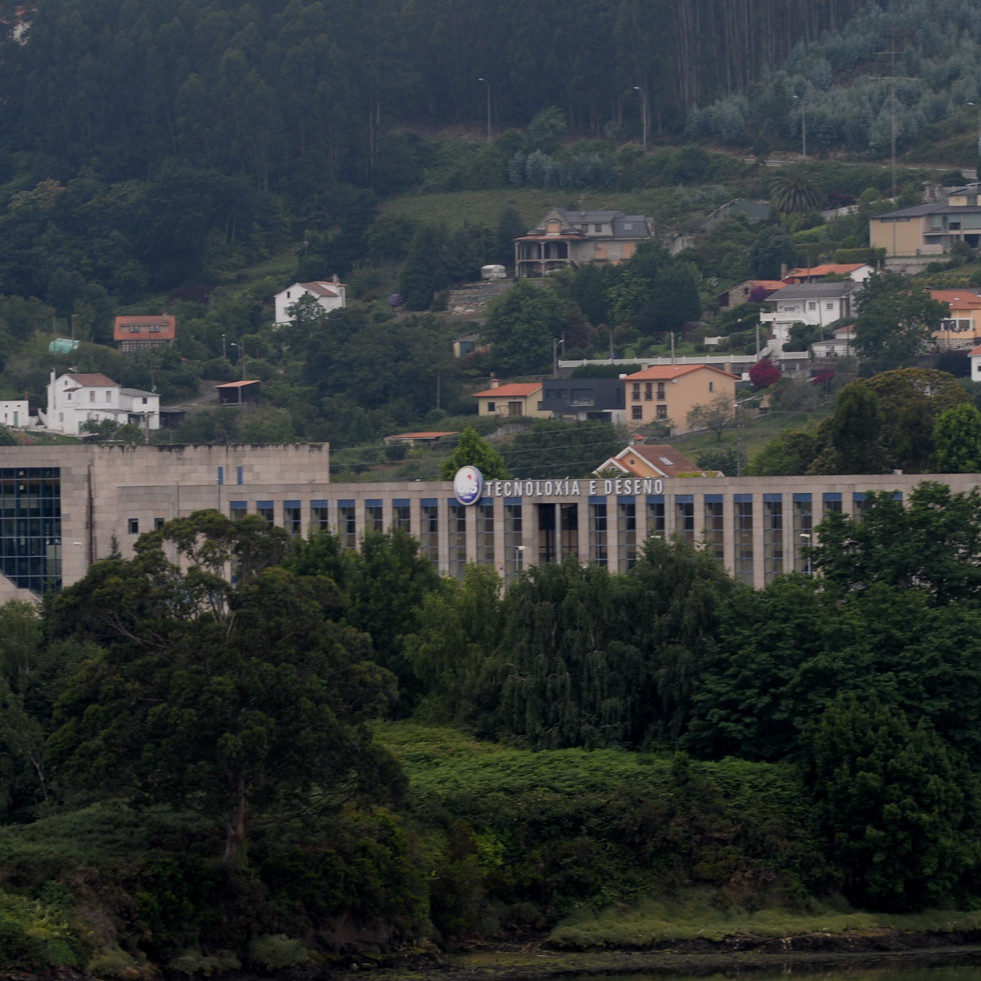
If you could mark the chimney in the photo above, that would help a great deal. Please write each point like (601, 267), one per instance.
(494, 381)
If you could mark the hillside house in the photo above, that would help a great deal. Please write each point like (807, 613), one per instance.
(962, 329)
(643, 460)
(74, 399)
(329, 295)
(141, 333)
(817, 304)
(516, 400)
(932, 228)
(585, 398)
(568, 239)
(667, 393)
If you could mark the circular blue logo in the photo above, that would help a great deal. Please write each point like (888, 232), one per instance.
(468, 484)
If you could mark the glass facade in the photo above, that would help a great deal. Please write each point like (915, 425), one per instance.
(456, 527)
(347, 524)
(655, 516)
(714, 532)
(772, 536)
(626, 534)
(30, 527)
(598, 553)
(684, 518)
(743, 537)
(429, 533)
(803, 531)
(485, 533)
(513, 533)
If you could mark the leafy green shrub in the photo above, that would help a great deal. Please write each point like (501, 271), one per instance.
(34, 937)
(114, 964)
(193, 962)
(274, 952)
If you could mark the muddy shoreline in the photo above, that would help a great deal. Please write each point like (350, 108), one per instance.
(803, 954)
(733, 956)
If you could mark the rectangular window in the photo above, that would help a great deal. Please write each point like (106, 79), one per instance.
(635, 391)
(265, 510)
(347, 528)
(291, 517)
(598, 533)
(485, 533)
(134, 526)
(158, 523)
(655, 517)
(648, 391)
(803, 531)
(373, 520)
(237, 509)
(743, 538)
(429, 533)
(456, 527)
(626, 533)
(401, 516)
(513, 546)
(684, 518)
(636, 412)
(772, 537)
(662, 412)
(714, 527)
(661, 396)
(318, 516)
(492, 407)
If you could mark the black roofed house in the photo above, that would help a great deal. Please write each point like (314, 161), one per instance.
(568, 239)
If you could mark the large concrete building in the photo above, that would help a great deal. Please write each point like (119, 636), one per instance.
(62, 508)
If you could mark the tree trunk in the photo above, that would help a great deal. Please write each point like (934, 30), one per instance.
(236, 828)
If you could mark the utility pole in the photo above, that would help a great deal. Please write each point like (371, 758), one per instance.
(484, 80)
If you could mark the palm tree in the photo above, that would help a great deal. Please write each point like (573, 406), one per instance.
(795, 191)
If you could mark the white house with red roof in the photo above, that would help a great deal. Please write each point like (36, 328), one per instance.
(329, 295)
(75, 399)
(668, 392)
(659, 460)
(515, 400)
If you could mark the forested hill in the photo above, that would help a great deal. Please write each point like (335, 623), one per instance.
(304, 92)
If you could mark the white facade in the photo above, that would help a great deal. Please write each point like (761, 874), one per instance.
(15, 414)
(329, 296)
(816, 304)
(80, 398)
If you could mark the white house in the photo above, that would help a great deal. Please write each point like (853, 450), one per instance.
(817, 304)
(15, 413)
(76, 399)
(330, 295)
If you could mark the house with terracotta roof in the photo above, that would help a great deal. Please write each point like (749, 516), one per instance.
(75, 399)
(660, 460)
(515, 400)
(328, 294)
(139, 333)
(668, 393)
(569, 239)
(857, 272)
(962, 329)
(818, 304)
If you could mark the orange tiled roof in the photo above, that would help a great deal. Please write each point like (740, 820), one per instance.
(960, 299)
(519, 390)
(668, 372)
(93, 381)
(837, 268)
(156, 327)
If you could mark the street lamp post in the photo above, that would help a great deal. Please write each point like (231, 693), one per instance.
(643, 113)
(484, 80)
(557, 342)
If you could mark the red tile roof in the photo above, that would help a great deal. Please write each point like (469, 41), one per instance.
(520, 390)
(93, 381)
(668, 372)
(156, 327)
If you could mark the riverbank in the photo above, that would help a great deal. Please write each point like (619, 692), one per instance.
(808, 953)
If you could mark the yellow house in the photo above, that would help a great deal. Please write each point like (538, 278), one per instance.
(962, 329)
(669, 392)
(930, 229)
(519, 399)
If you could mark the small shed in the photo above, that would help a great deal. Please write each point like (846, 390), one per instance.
(239, 392)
